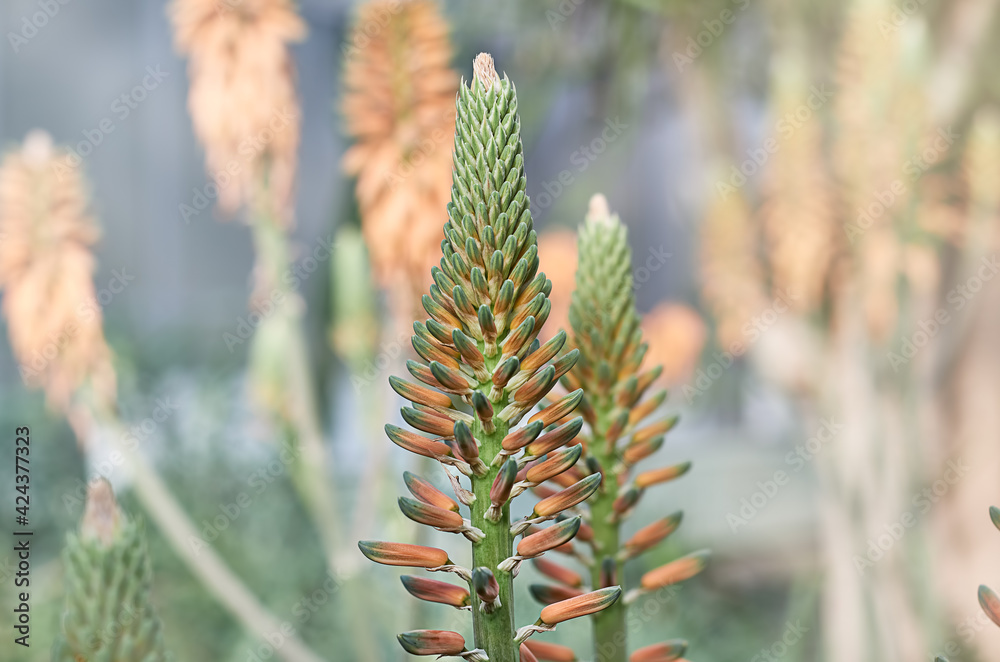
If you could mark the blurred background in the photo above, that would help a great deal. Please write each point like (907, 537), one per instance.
(812, 193)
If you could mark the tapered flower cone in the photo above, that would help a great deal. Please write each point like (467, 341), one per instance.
(617, 382)
(108, 613)
(486, 307)
(46, 271)
(399, 106)
(242, 99)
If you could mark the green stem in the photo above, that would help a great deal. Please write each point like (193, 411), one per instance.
(494, 632)
(610, 634)
(309, 475)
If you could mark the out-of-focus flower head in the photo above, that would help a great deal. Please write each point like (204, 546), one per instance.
(46, 270)
(676, 335)
(242, 99)
(732, 277)
(399, 106)
(557, 258)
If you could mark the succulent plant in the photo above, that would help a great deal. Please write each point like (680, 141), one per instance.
(482, 371)
(610, 372)
(108, 615)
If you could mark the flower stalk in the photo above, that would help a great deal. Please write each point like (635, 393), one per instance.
(610, 372)
(479, 348)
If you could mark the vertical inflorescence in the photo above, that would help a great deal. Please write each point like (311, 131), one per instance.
(108, 615)
(399, 107)
(482, 371)
(242, 101)
(606, 331)
(46, 269)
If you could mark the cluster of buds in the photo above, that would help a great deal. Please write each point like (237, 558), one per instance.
(607, 333)
(108, 613)
(482, 369)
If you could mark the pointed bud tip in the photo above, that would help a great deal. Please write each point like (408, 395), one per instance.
(484, 71)
(101, 515)
(599, 209)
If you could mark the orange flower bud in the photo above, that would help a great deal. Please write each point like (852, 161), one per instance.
(557, 572)
(568, 497)
(549, 594)
(526, 654)
(668, 651)
(433, 590)
(655, 430)
(419, 394)
(427, 493)
(557, 438)
(990, 603)
(553, 413)
(433, 423)
(549, 538)
(662, 475)
(554, 464)
(643, 410)
(424, 513)
(636, 452)
(416, 443)
(675, 571)
(581, 605)
(432, 642)
(545, 353)
(536, 387)
(518, 439)
(652, 534)
(397, 553)
(550, 652)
